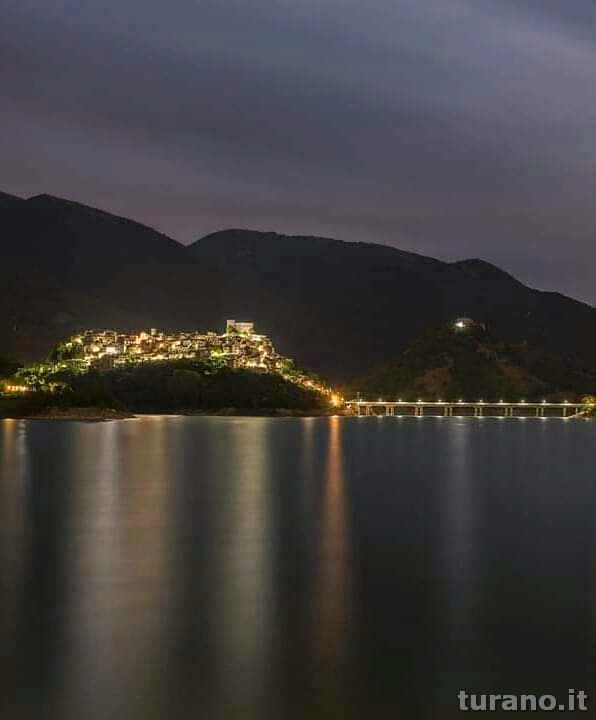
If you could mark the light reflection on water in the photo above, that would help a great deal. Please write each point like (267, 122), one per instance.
(332, 572)
(256, 568)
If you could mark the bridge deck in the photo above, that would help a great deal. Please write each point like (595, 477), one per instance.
(500, 408)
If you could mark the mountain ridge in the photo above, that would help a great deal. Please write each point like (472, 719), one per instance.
(338, 307)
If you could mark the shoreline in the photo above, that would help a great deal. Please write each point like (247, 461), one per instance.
(108, 414)
(94, 415)
(72, 414)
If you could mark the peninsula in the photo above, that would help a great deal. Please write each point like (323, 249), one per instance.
(101, 374)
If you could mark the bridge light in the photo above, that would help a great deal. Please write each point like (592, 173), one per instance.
(565, 402)
(481, 402)
(523, 402)
(460, 401)
(544, 402)
(500, 402)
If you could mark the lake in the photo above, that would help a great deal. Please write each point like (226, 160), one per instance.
(194, 567)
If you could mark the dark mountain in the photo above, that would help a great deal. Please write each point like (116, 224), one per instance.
(449, 364)
(7, 201)
(67, 266)
(338, 308)
(342, 308)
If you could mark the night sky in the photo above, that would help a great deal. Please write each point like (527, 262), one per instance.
(454, 128)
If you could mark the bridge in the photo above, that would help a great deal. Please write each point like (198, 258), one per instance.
(441, 408)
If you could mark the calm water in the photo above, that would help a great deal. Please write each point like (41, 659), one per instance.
(288, 568)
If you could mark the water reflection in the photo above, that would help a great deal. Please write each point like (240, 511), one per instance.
(245, 604)
(223, 605)
(460, 577)
(333, 579)
(117, 566)
(220, 568)
(13, 539)
(333, 585)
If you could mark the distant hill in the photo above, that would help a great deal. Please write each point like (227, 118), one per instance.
(472, 364)
(67, 266)
(342, 308)
(338, 308)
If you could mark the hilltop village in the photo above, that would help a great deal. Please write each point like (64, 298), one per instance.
(238, 348)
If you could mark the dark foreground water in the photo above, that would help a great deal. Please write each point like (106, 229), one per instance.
(288, 568)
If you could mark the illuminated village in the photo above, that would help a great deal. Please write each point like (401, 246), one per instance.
(239, 347)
